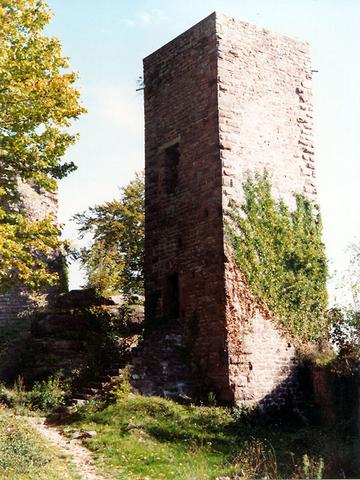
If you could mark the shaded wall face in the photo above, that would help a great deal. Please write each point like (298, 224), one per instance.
(262, 362)
(265, 122)
(183, 227)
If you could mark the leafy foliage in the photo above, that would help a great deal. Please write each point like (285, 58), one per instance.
(45, 396)
(282, 257)
(114, 260)
(344, 318)
(37, 97)
(122, 388)
(345, 335)
(353, 276)
(25, 247)
(37, 103)
(50, 394)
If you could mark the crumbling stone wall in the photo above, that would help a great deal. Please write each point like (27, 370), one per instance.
(17, 302)
(222, 99)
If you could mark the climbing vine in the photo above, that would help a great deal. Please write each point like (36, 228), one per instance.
(282, 256)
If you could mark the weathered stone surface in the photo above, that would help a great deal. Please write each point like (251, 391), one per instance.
(160, 365)
(72, 336)
(262, 362)
(222, 99)
(86, 297)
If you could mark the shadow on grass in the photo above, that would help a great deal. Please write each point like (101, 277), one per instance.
(217, 430)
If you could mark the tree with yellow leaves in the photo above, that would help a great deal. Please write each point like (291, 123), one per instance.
(38, 102)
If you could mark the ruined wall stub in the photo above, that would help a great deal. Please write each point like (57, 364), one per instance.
(222, 99)
(16, 302)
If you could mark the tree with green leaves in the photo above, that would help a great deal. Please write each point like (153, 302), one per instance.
(38, 102)
(114, 261)
(344, 317)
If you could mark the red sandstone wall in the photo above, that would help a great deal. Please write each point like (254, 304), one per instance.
(235, 99)
(262, 364)
(265, 109)
(265, 122)
(183, 229)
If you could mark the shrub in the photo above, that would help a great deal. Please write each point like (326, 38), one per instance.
(50, 394)
(47, 395)
(122, 388)
(257, 460)
(7, 397)
(14, 397)
(245, 412)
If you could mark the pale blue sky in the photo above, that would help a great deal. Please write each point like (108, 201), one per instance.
(106, 42)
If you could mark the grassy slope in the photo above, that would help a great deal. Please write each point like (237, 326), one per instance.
(152, 438)
(25, 455)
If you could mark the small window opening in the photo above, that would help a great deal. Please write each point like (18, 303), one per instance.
(171, 300)
(172, 158)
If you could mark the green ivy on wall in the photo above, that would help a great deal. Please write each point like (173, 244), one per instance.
(282, 257)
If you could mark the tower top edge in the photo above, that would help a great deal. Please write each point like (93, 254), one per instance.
(217, 23)
(208, 23)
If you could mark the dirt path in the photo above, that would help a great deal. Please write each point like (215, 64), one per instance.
(80, 456)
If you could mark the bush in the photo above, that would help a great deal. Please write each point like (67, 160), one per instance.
(122, 388)
(312, 468)
(258, 459)
(47, 395)
(50, 394)
(16, 396)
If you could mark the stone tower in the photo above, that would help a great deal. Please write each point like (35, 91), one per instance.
(222, 99)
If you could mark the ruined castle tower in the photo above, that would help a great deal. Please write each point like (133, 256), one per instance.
(17, 302)
(222, 99)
